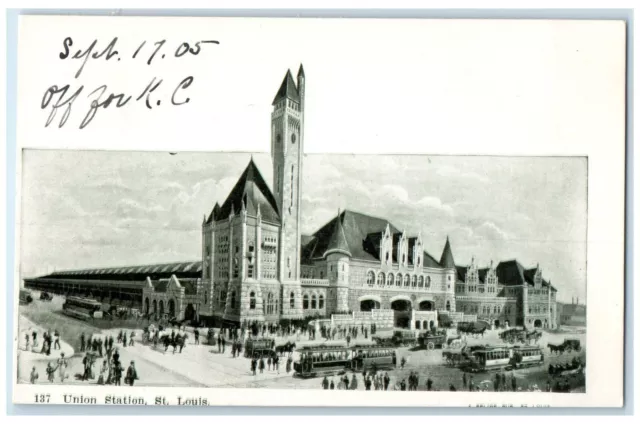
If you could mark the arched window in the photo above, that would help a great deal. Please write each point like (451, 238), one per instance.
(223, 299)
(370, 278)
(305, 301)
(381, 279)
(314, 302)
(390, 279)
(252, 300)
(292, 300)
(233, 300)
(407, 280)
(270, 304)
(428, 283)
(399, 280)
(321, 302)
(448, 306)
(414, 281)
(421, 282)
(498, 309)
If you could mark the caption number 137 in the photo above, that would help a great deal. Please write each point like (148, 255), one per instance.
(43, 398)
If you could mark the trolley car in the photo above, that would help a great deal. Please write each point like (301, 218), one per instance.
(490, 358)
(527, 356)
(254, 348)
(82, 308)
(331, 360)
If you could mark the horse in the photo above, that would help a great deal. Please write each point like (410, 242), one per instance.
(559, 349)
(285, 348)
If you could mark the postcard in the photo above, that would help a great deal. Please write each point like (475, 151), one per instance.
(244, 211)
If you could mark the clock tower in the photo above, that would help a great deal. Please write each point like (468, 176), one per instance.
(287, 138)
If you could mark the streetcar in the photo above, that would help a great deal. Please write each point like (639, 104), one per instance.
(330, 360)
(81, 308)
(527, 356)
(25, 297)
(489, 358)
(376, 358)
(322, 360)
(256, 348)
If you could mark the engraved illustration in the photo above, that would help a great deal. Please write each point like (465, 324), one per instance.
(324, 272)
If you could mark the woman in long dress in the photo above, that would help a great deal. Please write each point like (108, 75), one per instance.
(103, 372)
(62, 366)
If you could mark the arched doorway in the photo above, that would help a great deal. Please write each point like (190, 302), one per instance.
(496, 323)
(190, 312)
(161, 308)
(537, 323)
(402, 312)
(426, 305)
(172, 308)
(425, 325)
(369, 304)
(146, 306)
(155, 307)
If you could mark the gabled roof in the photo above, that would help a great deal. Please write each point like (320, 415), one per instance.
(214, 213)
(288, 89)
(133, 273)
(362, 235)
(252, 191)
(446, 260)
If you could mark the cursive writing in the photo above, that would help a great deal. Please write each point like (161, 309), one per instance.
(63, 99)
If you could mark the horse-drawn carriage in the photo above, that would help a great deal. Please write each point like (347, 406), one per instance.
(46, 297)
(432, 340)
(568, 345)
(513, 335)
(477, 328)
(570, 368)
(399, 338)
(288, 348)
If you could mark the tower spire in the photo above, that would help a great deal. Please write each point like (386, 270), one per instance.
(446, 260)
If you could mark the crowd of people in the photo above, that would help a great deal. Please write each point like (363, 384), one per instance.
(50, 340)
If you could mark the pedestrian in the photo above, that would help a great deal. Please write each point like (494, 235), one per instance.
(86, 364)
(254, 365)
(131, 338)
(354, 382)
(325, 383)
(464, 380)
(117, 373)
(429, 384)
(387, 380)
(452, 388)
(269, 363)
(34, 376)
(132, 374)
(289, 362)
(403, 385)
(261, 365)
(402, 363)
(276, 364)
(331, 385)
(367, 383)
(124, 340)
(51, 371)
(196, 334)
(471, 384)
(34, 337)
(62, 367)
(224, 342)
(56, 344)
(26, 343)
(513, 382)
(103, 372)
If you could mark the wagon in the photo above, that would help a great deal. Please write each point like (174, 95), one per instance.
(571, 344)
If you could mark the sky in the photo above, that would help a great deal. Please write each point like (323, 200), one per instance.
(85, 209)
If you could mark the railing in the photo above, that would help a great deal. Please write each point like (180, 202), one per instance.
(314, 282)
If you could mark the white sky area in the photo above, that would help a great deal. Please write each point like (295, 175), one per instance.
(84, 209)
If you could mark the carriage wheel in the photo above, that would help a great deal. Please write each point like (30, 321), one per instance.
(430, 346)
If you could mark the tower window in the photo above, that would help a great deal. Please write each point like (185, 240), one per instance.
(292, 300)
(252, 300)
(293, 139)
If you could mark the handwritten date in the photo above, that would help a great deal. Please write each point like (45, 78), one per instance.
(63, 98)
(110, 51)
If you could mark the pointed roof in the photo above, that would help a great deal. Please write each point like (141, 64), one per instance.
(446, 260)
(287, 89)
(214, 213)
(250, 191)
(301, 71)
(338, 241)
